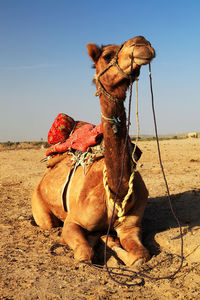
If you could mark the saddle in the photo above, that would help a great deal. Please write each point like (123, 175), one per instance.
(67, 134)
(69, 137)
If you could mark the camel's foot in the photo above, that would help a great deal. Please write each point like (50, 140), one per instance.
(136, 258)
(74, 236)
(132, 259)
(139, 263)
(84, 254)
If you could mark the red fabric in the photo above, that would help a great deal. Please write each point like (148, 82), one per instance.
(82, 138)
(80, 124)
(61, 128)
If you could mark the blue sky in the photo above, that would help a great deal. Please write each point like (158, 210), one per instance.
(45, 70)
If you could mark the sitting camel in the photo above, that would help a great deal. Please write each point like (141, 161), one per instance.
(89, 194)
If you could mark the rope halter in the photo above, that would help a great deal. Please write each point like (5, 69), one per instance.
(114, 62)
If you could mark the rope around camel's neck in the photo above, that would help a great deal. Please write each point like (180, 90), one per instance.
(115, 132)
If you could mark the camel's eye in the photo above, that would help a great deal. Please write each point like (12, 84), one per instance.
(107, 57)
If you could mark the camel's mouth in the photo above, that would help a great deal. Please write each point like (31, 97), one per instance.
(143, 55)
(142, 61)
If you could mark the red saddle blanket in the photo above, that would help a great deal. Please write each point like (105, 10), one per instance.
(66, 134)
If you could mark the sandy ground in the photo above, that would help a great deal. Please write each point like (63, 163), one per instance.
(34, 266)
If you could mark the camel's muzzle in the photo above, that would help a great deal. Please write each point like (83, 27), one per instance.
(143, 53)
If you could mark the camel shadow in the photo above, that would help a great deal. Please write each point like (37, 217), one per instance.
(158, 216)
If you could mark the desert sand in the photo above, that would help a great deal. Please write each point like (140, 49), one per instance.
(34, 265)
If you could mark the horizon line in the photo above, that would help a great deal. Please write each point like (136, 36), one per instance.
(29, 67)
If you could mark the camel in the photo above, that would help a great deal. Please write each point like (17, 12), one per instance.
(89, 195)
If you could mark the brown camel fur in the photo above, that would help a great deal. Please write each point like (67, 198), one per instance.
(89, 209)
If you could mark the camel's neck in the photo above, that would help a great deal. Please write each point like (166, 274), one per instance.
(115, 144)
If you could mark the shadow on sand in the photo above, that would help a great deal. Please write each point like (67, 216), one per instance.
(158, 216)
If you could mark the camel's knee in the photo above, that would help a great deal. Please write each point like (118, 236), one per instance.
(111, 241)
(130, 237)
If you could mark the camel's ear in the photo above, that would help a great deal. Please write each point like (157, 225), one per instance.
(94, 52)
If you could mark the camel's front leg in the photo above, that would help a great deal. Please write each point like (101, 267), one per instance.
(129, 231)
(133, 251)
(73, 235)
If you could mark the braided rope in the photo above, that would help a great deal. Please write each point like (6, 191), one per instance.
(121, 208)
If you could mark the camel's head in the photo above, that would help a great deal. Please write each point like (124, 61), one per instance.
(140, 49)
(129, 57)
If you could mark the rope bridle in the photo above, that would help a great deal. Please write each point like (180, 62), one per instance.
(114, 63)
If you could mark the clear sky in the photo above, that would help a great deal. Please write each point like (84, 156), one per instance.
(45, 70)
